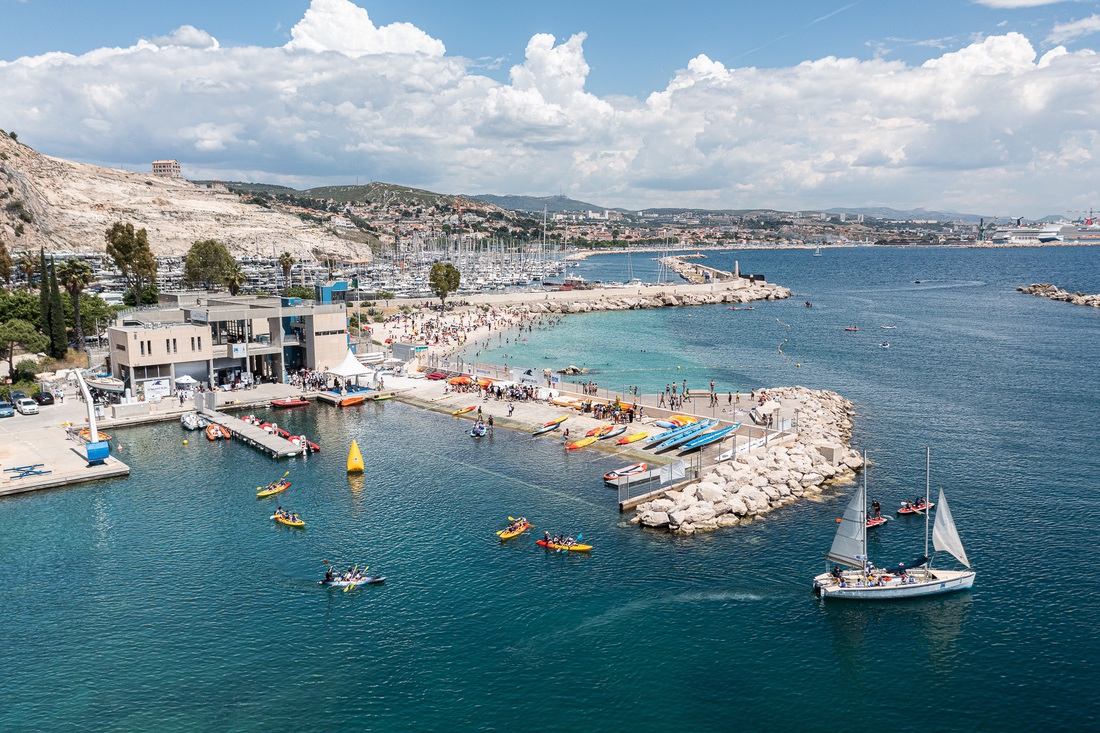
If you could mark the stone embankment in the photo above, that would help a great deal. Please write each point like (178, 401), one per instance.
(695, 273)
(1046, 290)
(610, 301)
(757, 482)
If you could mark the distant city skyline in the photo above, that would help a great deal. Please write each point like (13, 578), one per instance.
(969, 106)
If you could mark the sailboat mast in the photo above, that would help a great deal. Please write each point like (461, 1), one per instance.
(927, 479)
(863, 515)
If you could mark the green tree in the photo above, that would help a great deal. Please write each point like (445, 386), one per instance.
(385, 295)
(444, 279)
(43, 294)
(94, 311)
(148, 296)
(59, 337)
(19, 333)
(74, 276)
(5, 263)
(286, 262)
(208, 262)
(132, 256)
(22, 304)
(235, 278)
(299, 291)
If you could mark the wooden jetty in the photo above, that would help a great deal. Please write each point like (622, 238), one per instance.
(254, 436)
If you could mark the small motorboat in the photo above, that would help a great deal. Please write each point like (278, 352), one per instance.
(478, 431)
(463, 410)
(851, 328)
(911, 508)
(309, 444)
(272, 489)
(889, 327)
(582, 443)
(290, 402)
(191, 421)
(632, 438)
(632, 470)
(213, 432)
(884, 345)
(352, 400)
(562, 548)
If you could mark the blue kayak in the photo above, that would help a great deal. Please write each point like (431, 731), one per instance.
(708, 438)
(666, 435)
(685, 437)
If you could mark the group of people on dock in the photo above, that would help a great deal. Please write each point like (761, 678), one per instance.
(613, 411)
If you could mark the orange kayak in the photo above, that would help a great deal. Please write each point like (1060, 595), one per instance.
(626, 439)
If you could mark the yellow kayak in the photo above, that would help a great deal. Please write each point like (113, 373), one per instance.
(682, 420)
(281, 486)
(464, 410)
(570, 548)
(289, 522)
(631, 438)
(506, 535)
(556, 421)
(577, 445)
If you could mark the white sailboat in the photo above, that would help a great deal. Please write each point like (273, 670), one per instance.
(817, 251)
(864, 582)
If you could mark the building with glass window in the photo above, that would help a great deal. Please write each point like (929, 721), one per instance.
(218, 340)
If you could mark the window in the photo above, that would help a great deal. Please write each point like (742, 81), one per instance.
(174, 349)
(192, 343)
(143, 348)
(167, 346)
(200, 343)
(120, 347)
(328, 333)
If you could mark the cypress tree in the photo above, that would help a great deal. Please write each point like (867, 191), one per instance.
(43, 295)
(59, 341)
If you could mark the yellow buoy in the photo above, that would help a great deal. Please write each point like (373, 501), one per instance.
(355, 459)
(185, 442)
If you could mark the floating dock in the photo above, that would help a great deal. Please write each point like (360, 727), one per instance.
(254, 436)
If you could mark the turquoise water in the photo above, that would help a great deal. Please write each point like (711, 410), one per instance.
(169, 601)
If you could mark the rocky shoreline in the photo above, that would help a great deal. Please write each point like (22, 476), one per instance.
(756, 483)
(1046, 290)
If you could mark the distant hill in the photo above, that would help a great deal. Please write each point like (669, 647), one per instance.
(885, 212)
(536, 204)
(676, 211)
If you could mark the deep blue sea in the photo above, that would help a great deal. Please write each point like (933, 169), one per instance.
(170, 602)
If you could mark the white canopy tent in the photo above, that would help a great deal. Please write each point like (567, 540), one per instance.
(350, 368)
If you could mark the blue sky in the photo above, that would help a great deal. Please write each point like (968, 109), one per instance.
(632, 47)
(961, 104)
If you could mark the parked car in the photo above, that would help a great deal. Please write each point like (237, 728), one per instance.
(16, 395)
(43, 398)
(26, 406)
(6, 410)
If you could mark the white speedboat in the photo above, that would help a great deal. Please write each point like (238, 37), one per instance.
(862, 581)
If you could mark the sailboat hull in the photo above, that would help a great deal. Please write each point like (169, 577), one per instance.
(941, 581)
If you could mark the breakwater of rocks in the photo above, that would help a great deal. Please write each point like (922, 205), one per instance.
(765, 479)
(610, 300)
(1046, 290)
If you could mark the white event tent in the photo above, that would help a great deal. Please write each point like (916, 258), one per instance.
(350, 368)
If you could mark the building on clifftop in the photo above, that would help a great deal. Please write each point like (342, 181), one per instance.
(167, 168)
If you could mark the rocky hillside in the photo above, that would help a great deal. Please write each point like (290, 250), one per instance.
(61, 205)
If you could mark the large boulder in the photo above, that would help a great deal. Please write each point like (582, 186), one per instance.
(700, 512)
(812, 479)
(709, 492)
(654, 519)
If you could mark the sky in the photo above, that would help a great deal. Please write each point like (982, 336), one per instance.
(979, 106)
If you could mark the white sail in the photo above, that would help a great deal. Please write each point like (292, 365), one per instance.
(847, 546)
(944, 535)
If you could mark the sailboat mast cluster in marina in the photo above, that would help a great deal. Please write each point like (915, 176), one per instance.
(863, 581)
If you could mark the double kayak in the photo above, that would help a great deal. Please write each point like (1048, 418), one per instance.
(707, 438)
(632, 470)
(288, 522)
(365, 580)
(463, 411)
(552, 425)
(632, 438)
(570, 548)
(582, 443)
(916, 508)
(506, 535)
(599, 432)
(684, 437)
(290, 402)
(272, 490)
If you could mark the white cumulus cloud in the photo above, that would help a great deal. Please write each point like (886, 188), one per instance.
(988, 126)
(187, 36)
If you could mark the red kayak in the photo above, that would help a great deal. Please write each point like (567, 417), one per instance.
(632, 470)
(915, 508)
(290, 402)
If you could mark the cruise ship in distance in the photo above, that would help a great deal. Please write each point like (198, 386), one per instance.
(1028, 234)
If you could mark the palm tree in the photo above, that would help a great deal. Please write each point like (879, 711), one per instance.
(286, 262)
(235, 278)
(75, 275)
